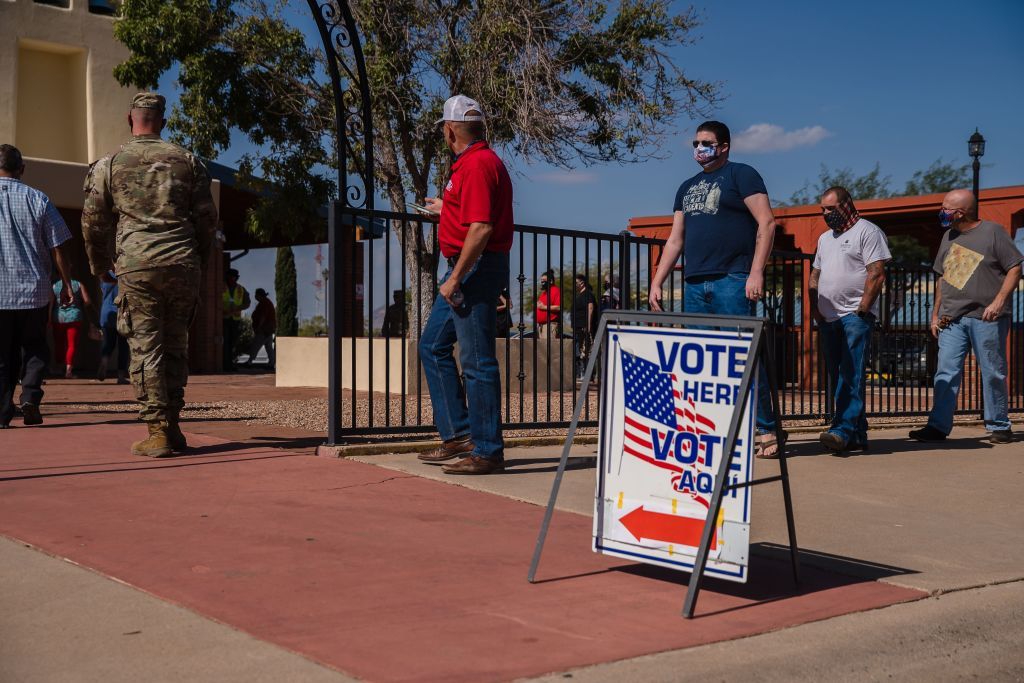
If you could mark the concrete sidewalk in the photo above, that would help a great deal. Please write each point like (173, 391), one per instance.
(936, 517)
(413, 575)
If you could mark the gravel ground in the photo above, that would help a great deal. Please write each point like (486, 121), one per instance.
(311, 414)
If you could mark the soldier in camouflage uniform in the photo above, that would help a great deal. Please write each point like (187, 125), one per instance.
(148, 206)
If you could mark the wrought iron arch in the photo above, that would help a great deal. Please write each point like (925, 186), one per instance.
(354, 149)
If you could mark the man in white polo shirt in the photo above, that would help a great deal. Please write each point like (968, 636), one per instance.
(847, 276)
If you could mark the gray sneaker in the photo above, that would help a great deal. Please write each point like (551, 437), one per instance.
(832, 441)
(1001, 436)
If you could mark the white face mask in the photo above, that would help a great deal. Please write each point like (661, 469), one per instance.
(705, 154)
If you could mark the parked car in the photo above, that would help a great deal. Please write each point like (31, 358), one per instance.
(905, 357)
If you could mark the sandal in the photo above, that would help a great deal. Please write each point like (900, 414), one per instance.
(769, 445)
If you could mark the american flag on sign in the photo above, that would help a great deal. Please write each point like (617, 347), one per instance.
(654, 402)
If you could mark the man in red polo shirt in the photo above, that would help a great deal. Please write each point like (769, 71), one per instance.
(548, 315)
(475, 235)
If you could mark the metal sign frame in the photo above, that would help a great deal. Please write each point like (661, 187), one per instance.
(758, 354)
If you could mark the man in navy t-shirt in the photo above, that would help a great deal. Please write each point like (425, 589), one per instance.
(723, 226)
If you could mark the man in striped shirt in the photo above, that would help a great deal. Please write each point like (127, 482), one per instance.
(31, 229)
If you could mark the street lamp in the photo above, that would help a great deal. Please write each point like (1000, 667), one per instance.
(976, 148)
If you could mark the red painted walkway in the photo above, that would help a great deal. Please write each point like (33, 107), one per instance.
(382, 575)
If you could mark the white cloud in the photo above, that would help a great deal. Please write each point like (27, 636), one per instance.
(567, 178)
(767, 137)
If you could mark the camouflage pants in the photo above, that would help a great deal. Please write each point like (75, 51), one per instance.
(155, 308)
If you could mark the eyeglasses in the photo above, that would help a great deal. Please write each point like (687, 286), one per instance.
(704, 143)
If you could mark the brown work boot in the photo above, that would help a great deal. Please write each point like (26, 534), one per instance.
(157, 445)
(474, 464)
(174, 435)
(448, 450)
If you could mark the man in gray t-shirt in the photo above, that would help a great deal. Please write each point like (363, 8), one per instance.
(847, 275)
(979, 268)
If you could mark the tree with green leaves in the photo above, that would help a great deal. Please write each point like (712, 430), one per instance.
(907, 250)
(871, 185)
(563, 81)
(285, 287)
(939, 177)
(313, 327)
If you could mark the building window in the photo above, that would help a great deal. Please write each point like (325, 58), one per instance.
(107, 7)
(66, 4)
(51, 115)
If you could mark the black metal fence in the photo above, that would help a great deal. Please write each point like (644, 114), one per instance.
(385, 390)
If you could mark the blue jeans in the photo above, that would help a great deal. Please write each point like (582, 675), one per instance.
(988, 339)
(112, 341)
(727, 295)
(846, 342)
(472, 325)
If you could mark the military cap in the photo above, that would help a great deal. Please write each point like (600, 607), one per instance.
(149, 100)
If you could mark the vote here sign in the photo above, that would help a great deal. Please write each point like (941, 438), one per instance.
(669, 397)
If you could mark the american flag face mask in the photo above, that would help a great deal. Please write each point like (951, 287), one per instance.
(843, 217)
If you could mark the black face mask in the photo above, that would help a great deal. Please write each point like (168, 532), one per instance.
(543, 285)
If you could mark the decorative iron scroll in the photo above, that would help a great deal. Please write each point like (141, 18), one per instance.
(353, 122)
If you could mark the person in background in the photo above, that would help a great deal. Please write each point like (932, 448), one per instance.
(610, 297)
(235, 300)
(584, 323)
(548, 314)
(396, 318)
(846, 278)
(979, 268)
(68, 322)
(723, 227)
(112, 339)
(264, 326)
(149, 207)
(504, 311)
(475, 236)
(31, 232)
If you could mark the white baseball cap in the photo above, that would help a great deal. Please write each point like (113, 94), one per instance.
(456, 106)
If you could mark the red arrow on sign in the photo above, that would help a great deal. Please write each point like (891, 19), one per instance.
(658, 526)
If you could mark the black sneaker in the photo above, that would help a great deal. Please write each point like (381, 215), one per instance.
(857, 446)
(1001, 436)
(927, 434)
(832, 441)
(30, 414)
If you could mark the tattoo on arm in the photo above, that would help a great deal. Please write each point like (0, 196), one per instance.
(873, 284)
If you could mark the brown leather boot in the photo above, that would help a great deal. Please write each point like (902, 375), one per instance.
(474, 464)
(448, 450)
(174, 435)
(157, 445)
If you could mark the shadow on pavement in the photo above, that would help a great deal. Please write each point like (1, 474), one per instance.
(886, 447)
(525, 465)
(146, 464)
(771, 576)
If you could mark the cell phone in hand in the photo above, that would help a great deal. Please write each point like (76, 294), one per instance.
(420, 208)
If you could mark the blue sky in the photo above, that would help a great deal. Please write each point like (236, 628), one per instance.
(806, 83)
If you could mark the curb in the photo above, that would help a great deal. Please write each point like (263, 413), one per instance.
(391, 448)
(395, 447)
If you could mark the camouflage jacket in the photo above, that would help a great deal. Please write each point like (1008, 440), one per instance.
(147, 205)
